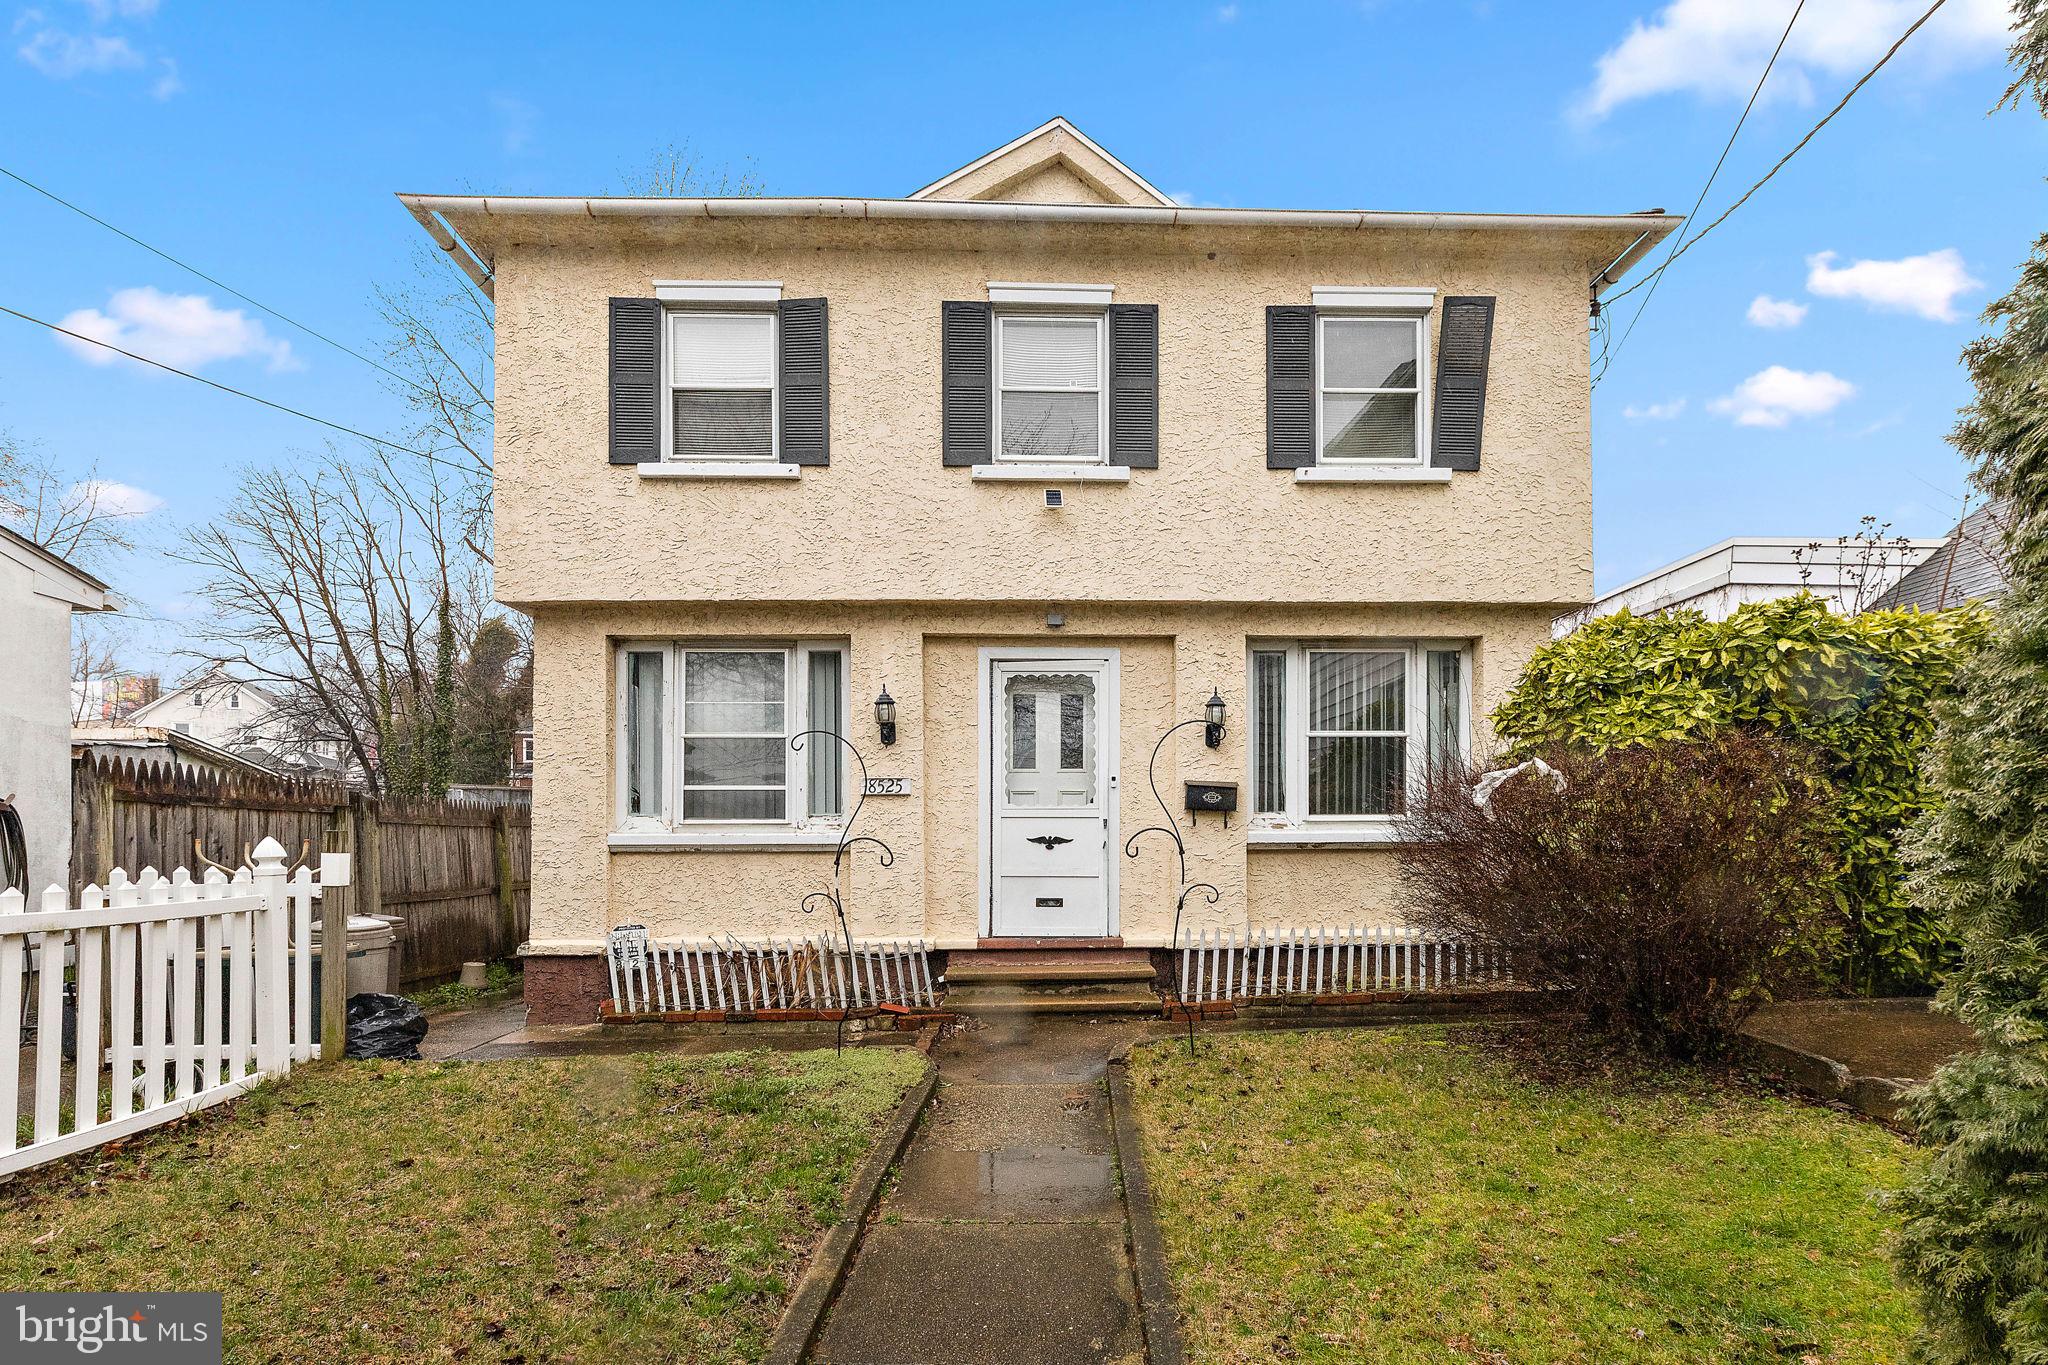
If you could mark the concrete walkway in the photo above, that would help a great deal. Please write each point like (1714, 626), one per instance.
(1003, 1240)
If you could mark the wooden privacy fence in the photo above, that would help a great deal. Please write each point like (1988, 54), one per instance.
(1218, 964)
(787, 974)
(182, 994)
(455, 873)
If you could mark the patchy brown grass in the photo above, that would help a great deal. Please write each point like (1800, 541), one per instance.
(1423, 1195)
(615, 1209)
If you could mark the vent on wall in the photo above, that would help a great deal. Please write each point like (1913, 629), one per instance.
(1055, 499)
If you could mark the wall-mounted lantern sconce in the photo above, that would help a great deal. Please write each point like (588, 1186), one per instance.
(885, 715)
(1212, 734)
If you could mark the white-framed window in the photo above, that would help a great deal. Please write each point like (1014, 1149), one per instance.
(1345, 731)
(1051, 390)
(720, 369)
(703, 734)
(1372, 387)
(235, 699)
(526, 749)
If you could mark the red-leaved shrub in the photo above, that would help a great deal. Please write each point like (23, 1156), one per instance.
(1665, 893)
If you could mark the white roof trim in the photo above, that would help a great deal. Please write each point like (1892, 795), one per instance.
(1080, 295)
(718, 291)
(1417, 298)
(1055, 123)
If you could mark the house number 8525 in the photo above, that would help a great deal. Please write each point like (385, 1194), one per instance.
(886, 786)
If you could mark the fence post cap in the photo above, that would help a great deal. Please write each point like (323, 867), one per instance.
(12, 902)
(269, 855)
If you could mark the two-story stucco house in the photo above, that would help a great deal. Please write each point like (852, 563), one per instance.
(1050, 461)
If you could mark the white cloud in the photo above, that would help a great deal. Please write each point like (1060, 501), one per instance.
(185, 330)
(1654, 412)
(114, 499)
(1715, 49)
(1765, 311)
(1774, 396)
(1226, 13)
(1926, 285)
(60, 54)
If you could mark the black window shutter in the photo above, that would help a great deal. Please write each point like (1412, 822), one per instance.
(967, 406)
(1290, 387)
(1461, 360)
(805, 395)
(635, 381)
(1134, 385)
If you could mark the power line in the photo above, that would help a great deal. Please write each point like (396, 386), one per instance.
(1840, 105)
(225, 388)
(1678, 242)
(218, 284)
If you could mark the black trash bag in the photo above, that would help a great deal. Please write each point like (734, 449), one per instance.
(388, 1026)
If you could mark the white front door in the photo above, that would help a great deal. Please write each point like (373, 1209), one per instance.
(1052, 766)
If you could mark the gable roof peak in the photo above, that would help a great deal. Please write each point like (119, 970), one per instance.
(1054, 162)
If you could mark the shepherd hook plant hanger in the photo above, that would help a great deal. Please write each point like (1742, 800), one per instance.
(1171, 829)
(847, 839)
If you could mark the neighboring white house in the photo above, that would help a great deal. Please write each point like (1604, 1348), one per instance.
(1744, 569)
(38, 593)
(239, 716)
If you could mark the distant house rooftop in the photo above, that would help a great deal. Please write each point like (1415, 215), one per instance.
(1743, 569)
(1969, 566)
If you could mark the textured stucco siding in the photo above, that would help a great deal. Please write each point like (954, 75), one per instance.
(885, 522)
(1169, 658)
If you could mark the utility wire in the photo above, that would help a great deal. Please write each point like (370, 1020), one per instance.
(55, 198)
(1843, 102)
(1678, 242)
(224, 388)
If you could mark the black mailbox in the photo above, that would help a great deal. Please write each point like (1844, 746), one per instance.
(1216, 797)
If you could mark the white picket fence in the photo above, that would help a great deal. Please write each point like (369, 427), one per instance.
(187, 993)
(1222, 964)
(809, 973)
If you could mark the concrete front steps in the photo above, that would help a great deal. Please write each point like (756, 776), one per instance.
(1089, 981)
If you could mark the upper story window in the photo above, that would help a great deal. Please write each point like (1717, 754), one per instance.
(1050, 396)
(704, 730)
(721, 386)
(235, 699)
(1345, 732)
(1370, 384)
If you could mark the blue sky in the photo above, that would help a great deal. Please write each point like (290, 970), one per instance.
(263, 143)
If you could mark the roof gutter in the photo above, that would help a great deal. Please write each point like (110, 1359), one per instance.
(1626, 261)
(983, 211)
(457, 249)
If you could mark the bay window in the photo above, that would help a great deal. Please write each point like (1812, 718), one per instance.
(1348, 732)
(704, 731)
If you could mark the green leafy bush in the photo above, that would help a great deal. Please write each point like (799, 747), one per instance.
(1858, 691)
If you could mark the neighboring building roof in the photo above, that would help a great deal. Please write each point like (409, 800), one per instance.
(56, 576)
(208, 678)
(1746, 568)
(1969, 566)
(145, 741)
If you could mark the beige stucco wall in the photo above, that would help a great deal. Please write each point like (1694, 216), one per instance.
(885, 521)
(1170, 657)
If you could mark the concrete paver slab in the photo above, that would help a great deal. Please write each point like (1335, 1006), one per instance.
(1020, 1184)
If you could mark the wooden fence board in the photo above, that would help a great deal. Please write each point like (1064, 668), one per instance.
(456, 872)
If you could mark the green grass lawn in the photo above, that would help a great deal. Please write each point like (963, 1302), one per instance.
(1420, 1195)
(614, 1209)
